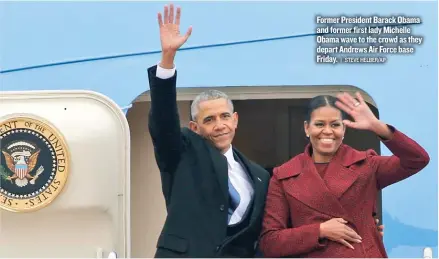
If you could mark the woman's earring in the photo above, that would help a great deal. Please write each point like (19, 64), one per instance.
(307, 135)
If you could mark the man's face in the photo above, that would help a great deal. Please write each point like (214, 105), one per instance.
(216, 122)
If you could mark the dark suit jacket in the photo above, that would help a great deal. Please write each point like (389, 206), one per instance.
(299, 199)
(195, 186)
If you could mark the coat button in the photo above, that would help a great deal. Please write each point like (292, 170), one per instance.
(222, 207)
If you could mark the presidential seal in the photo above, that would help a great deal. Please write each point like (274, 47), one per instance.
(34, 164)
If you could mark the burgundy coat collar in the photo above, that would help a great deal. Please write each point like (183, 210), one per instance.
(304, 183)
(344, 156)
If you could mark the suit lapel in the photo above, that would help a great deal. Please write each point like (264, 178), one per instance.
(257, 184)
(219, 163)
(212, 159)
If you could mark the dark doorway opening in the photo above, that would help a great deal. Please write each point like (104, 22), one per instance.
(270, 132)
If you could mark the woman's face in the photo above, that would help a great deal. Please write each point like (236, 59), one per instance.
(325, 130)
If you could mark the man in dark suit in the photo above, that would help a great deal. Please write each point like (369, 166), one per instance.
(214, 195)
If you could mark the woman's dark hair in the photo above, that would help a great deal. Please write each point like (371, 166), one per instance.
(322, 101)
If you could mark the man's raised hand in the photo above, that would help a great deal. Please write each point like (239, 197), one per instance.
(170, 37)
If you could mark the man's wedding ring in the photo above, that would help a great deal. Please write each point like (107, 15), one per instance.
(356, 104)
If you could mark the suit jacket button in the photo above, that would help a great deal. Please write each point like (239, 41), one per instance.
(222, 207)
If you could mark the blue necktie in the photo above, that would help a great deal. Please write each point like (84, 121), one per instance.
(234, 199)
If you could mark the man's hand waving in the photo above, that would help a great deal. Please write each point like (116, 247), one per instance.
(170, 37)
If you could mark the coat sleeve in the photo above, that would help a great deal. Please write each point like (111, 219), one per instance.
(279, 237)
(164, 125)
(408, 159)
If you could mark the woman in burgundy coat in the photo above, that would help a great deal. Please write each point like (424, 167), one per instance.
(320, 202)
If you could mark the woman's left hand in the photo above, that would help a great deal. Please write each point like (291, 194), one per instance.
(363, 117)
(380, 227)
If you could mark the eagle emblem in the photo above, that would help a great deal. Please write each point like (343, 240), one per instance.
(21, 162)
(34, 163)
